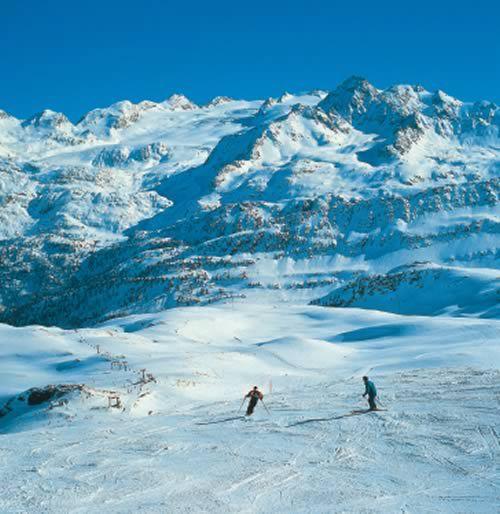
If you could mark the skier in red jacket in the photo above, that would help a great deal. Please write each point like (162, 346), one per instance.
(255, 395)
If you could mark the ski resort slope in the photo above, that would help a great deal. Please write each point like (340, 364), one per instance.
(178, 442)
(159, 259)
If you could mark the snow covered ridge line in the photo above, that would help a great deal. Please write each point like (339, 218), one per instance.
(104, 121)
(404, 290)
(402, 114)
(141, 207)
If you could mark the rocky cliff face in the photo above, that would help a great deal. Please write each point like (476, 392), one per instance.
(140, 207)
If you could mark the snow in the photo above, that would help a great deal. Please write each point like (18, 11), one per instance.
(191, 252)
(405, 290)
(178, 443)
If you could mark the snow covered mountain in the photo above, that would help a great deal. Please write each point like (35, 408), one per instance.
(186, 252)
(141, 207)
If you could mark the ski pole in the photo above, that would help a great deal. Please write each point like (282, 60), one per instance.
(242, 403)
(265, 406)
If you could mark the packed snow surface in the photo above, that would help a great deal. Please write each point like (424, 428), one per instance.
(178, 442)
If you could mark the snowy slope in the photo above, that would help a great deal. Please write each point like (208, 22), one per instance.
(176, 443)
(405, 290)
(159, 259)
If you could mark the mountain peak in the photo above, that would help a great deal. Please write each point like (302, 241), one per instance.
(350, 97)
(142, 205)
(5, 115)
(441, 97)
(47, 119)
(180, 102)
(219, 100)
(285, 97)
(354, 83)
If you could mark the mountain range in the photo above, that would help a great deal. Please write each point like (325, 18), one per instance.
(359, 197)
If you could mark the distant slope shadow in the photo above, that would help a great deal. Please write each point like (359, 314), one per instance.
(333, 418)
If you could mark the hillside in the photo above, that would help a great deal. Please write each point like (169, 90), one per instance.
(158, 259)
(171, 437)
(141, 207)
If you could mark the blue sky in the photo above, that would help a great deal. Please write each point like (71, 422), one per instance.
(72, 56)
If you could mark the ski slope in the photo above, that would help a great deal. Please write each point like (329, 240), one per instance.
(179, 444)
(161, 258)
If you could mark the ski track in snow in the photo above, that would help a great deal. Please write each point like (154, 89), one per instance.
(434, 449)
(443, 459)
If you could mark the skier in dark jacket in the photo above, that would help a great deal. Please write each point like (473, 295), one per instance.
(255, 395)
(371, 391)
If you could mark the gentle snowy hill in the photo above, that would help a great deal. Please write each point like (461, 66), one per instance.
(141, 414)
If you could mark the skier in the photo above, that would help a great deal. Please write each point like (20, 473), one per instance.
(371, 391)
(255, 395)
